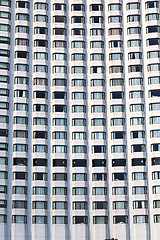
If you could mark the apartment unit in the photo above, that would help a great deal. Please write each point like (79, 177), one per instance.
(79, 119)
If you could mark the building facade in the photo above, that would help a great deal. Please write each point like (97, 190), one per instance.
(79, 119)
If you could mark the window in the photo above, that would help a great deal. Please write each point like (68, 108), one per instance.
(78, 82)
(59, 149)
(40, 68)
(40, 162)
(59, 163)
(100, 219)
(97, 95)
(153, 41)
(59, 176)
(117, 108)
(118, 148)
(134, 55)
(78, 95)
(137, 121)
(59, 122)
(99, 191)
(4, 53)
(117, 121)
(22, 4)
(20, 134)
(21, 80)
(138, 148)
(135, 81)
(140, 204)
(59, 56)
(99, 205)
(5, 40)
(39, 190)
(59, 19)
(136, 107)
(79, 191)
(22, 29)
(79, 109)
(5, 27)
(59, 205)
(79, 163)
(40, 108)
(133, 6)
(156, 204)
(20, 175)
(41, 56)
(119, 176)
(138, 162)
(154, 106)
(78, 57)
(115, 7)
(78, 7)
(119, 191)
(40, 121)
(117, 95)
(40, 43)
(40, 148)
(21, 93)
(117, 135)
(156, 218)
(79, 70)
(78, 31)
(152, 16)
(98, 163)
(98, 108)
(115, 56)
(96, 44)
(133, 18)
(22, 67)
(119, 163)
(79, 205)
(79, 135)
(4, 79)
(120, 219)
(99, 149)
(114, 19)
(140, 219)
(19, 219)
(96, 32)
(39, 205)
(39, 219)
(19, 190)
(59, 191)
(155, 147)
(134, 30)
(59, 82)
(59, 220)
(20, 161)
(40, 94)
(19, 204)
(3, 133)
(135, 68)
(155, 161)
(4, 65)
(120, 205)
(40, 134)
(4, 119)
(78, 44)
(98, 122)
(59, 31)
(139, 176)
(3, 218)
(139, 190)
(115, 31)
(79, 177)
(137, 134)
(59, 135)
(155, 175)
(80, 220)
(3, 146)
(40, 18)
(78, 122)
(99, 177)
(156, 189)
(20, 148)
(79, 149)
(41, 6)
(3, 175)
(40, 176)
(96, 19)
(134, 43)
(3, 161)
(152, 4)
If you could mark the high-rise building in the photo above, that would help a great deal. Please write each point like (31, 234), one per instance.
(79, 119)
